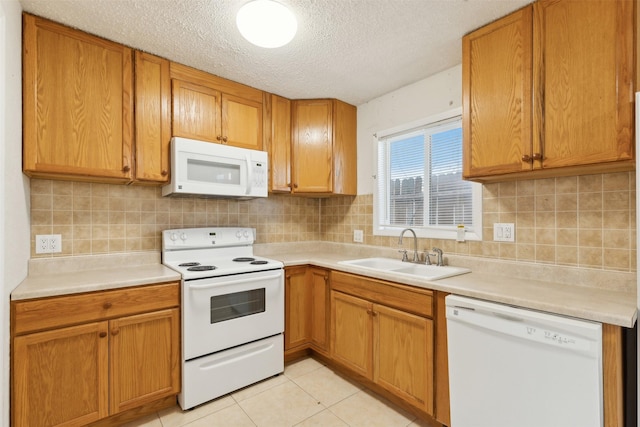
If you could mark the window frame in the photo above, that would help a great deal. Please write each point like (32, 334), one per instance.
(434, 232)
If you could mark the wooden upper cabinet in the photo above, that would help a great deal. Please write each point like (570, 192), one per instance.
(213, 109)
(583, 82)
(323, 147)
(312, 146)
(152, 118)
(548, 91)
(241, 122)
(77, 104)
(196, 111)
(497, 81)
(277, 141)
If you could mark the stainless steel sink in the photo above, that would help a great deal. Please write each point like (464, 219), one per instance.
(429, 272)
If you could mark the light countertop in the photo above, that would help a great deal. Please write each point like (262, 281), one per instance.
(597, 295)
(62, 276)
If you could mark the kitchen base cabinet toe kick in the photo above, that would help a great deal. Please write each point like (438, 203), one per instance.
(97, 358)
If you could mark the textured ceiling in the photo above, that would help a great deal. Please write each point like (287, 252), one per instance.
(354, 50)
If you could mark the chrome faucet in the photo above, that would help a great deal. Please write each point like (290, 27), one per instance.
(415, 244)
(438, 252)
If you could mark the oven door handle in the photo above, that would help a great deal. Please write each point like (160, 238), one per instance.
(231, 282)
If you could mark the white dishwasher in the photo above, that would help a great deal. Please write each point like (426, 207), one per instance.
(511, 367)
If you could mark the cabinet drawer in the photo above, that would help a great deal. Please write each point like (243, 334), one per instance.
(47, 313)
(414, 300)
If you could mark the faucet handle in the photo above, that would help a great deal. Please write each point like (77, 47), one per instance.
(427, 257)
(405, 258)
(438, 252)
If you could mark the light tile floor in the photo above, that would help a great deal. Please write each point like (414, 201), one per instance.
(308, 394)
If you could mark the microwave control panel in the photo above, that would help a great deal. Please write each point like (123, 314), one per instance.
(259, 174)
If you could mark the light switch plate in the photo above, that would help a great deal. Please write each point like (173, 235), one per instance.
(504, 232)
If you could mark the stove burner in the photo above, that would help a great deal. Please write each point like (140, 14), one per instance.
(188, 264)
(259, 262)
(243, 259)
(202, 268)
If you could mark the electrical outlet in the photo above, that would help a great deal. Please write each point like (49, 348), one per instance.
(42, 243)
(504, 232)
(55, 243)
(48, 243)
(358, 236)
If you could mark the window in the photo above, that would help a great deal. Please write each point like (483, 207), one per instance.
(419, 181)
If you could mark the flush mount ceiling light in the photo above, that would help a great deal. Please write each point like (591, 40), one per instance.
(266, 23)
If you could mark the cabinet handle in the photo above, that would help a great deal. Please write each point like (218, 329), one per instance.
(102, 334)
(219, 137)
(115, 332)
(164, 172)
(224, 139)
(537, 156)
(107, 305)
(370, 312)
(374, 313)
(126, 168)
(527, 158)
(295, 185)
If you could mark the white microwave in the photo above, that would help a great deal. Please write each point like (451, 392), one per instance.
(209, 169)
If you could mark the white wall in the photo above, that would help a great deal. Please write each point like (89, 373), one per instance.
(14, 186)
(433, 95)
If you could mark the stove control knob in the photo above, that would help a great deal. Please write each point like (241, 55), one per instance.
(183, 236)
(173, 237)
(246, 234)
(238, 234)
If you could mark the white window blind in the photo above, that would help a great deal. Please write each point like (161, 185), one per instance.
(419, 180)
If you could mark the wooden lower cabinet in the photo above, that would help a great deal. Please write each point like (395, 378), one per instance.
(306, 307)
(376, 337)
(60, 377)
(80, 374)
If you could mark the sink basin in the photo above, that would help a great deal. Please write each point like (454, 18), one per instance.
(429, 272)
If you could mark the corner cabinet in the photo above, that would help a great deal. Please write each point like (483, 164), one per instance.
(77, 359)
(548, 91)
(384, 332)
(213, 109)
(323, 147)
(77, 104)
(306, 310)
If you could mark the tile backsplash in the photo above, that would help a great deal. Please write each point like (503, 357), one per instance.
(586, 221)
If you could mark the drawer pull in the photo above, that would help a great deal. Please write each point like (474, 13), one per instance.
(115, 332)
(107, 305)
(102, 334)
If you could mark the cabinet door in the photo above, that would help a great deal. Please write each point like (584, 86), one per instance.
(319, 282)
(403, 354)
(297, 301)
(496, 94)
(352, 333)
(153, 117)
(77, 104)
(196, 111)
(278, 128)
(312, 149)
(144, 358)
(60, 377)
(241, 122)
(583, 81)
(345, 143)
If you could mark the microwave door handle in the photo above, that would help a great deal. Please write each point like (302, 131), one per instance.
(249, 174)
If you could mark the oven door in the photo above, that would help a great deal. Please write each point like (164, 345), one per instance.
(223, 312)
